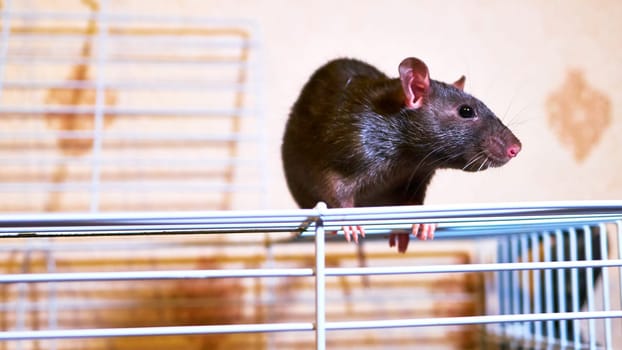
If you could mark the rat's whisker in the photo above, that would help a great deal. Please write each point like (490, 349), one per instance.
(482, 166)
(474, 160)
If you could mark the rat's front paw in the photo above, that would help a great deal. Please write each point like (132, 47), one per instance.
(424, 231)
(353, 232)
(421, 231)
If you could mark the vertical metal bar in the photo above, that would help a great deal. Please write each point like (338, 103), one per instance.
(561, 288)
(548, 286)
(619, 234)
(604, 251)
(98, 128)
(261, 119)
(239, 99)
(526, 283)
(515, 277)
(270, 290)
(320, 282)
(537, 289)
(490, 290)
(22, 290)
(497, 288)
(590, 284)
(4, 42)
(574, 277)
(52, 295)
(504, 287)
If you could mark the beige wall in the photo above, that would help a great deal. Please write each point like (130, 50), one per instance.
(516, 55)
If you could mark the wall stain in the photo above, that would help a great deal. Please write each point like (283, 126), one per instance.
(78, 97)
(77, 146)
(578, 114)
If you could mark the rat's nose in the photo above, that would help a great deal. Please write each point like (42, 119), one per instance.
(513, 150)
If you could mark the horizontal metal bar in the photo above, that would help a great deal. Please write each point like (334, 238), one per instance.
(128, 186)
(110, 61)
(191, 136)
(152, 275)
(490, 267)
(301, 326)
(152, 41)
(490, 210)
(493, 217)
(141, 218)
(189, 38)
(145, 331)
(26, 159)
(125, 17)
(470, 227)
(442, 232)
(155, 230)
(129, 85)
(56, 225)
(125, 111)
(471, 320)
(481, 213)
(299, 272)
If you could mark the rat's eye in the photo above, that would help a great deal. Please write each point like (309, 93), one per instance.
(465, 111)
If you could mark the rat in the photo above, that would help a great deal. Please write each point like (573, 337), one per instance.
(356, 137)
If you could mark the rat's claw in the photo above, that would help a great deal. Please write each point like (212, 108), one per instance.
(354, 232)
(432, 229)
(346, 232)
(421, 231)
(415, 230)
(424, 231)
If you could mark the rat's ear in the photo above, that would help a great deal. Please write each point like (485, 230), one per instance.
(460, 83)
(415, 81)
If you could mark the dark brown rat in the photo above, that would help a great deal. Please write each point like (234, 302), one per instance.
(356, 137)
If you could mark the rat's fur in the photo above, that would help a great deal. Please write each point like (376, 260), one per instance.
(351, 139)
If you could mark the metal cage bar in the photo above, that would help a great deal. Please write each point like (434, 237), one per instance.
(455, 221)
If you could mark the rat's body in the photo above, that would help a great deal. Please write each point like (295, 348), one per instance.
(356, 137)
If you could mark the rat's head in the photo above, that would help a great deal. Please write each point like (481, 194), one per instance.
(461, 132)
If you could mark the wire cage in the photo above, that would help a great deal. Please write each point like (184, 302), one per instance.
(103, 111)
(139, 134)
(552, 287)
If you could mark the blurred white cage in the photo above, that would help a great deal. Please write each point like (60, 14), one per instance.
(102, 110)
